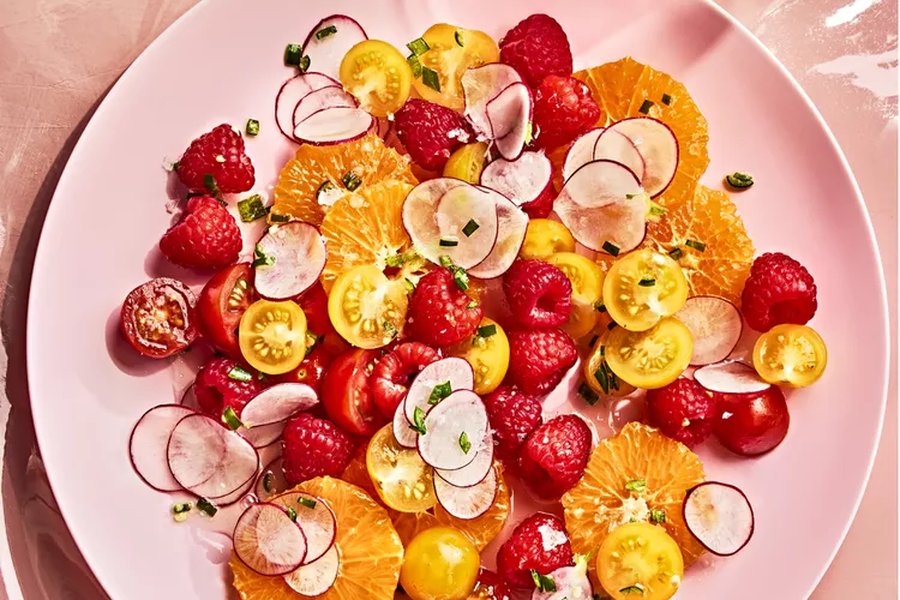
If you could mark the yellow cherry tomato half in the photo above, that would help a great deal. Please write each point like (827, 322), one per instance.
(366, 308)
(653, 358)
(488, 355)
(402, 479)
(440, 563)
(793, 355)
(378, 75)
(467, 162)
(451, 51)
(640, 560)
(545, 237)
(586, 278)
(642, 287)
(599, 377)
(272, 336)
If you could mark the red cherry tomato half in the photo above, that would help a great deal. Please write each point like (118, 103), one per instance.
(394, 373)
(346, 393)
(751, 424)
(221, 305)
(311, 371)
(314, 303)
(158, 319)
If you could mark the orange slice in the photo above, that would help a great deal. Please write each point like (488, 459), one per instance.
(623, 87)
(369, 547)
(312, 166)
(661, 471)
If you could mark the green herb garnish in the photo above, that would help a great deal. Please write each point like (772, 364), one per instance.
(291, 512)
(486, 331)
(230, 418)
(180, 511)
(472, 304)
(209, 182)
(415, 64)
(666, 99)
(351, 181)
(419, 420)
(647, 282)
(676, 253)
(633, 589)
(589, 395)
(252, 208)
(262, 259)
(238, 373)
(267, 481)
(252, 127)
(325, 32)
(542, 582)
(460, 277)
(277, 218)
(207, 507)
(396, 260)
(636, 485)
(307, 502)
(408, 284)
(440, 391)
(699, 246)
(599, 306)
(602, 377)
(431, 79)
(656, 210)
(293, 55)
(324, 187)
(739, 180)
(657, 516)
(457, 35)
(645, 107)
(471, 227)
(448, 243)
(418, 46)
(610, 248)
(464, 444)
(304, 64)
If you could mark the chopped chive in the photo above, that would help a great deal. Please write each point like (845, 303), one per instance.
(656, 210)
(612, 325)
(351, 180)
(464, 444)
(239, 374)
(457, 35)
(529, 133)
(739, 180)
(633, 589)
(415, 64)
(589, 395)
(390, 329)
(252, 127)
(699, 246)
(307, 502)
(676, 253)
(486, 331)
(472, 304)
(207, 507)
(431, 79)
(408, 284)
(471, 227)
(418, 46)
(292, 512)
(325, 32)
(647, 282)
(230, 418)
(610, 248)
(182, 507)
(262, 259)
(419, 420)
(292, 55)
(252, 208)
(613, 378)
(636, 485)
(645, 107)
(440, 391)
(448, 243)
(277, 218)
(324, 187)
(459, 275)
(542, 582)
(209, 182)
(267, 481)
(599, 306)
(666, 99)
(657, 516)
(395, 260)
(594, 341)
(304, 64)
(602, 378)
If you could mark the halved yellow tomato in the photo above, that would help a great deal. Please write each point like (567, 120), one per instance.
(640, 560)
(599, 377)
(544, 237)
(378, 75)
(586, 278)
(402, 479)
(653, 358)
(451, 51)
(366, 308)
(794, 355)
(488, 353)
(467, 162)
(642, 287)
(272, 336)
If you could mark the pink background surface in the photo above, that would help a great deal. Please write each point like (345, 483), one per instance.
(58, 57)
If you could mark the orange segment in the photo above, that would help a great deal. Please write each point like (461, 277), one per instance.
(369, 547)
(302, 176)
(622, 87)
(598, 503)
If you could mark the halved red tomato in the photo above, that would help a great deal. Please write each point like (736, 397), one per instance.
(221, 305)
(346, 394)
(157, 317)
(311, 371)
(314, 303)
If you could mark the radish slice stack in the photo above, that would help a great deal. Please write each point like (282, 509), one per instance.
(512, 224)
(314, 108)
(481, 85)
(293, 256)
(328, 42)
(499, 106)
(719, 516)
(451, 373)
(730, 377)
(581, 152)
(466, 219)
(147, 446)
(522, 180)
(716, 326)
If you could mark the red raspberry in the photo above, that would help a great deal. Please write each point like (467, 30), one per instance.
(539, 294)
(215, 389)
(312, 447)
(563, 110)
(513, 416)
(394, 373)
(682, 410)
(538, 360)
(542, 206)
(430, 132)
(439, 311)
(554, 456)
(207, 237)
(537, 47)
(538, 543)
(490, 586)
(779, 290)
(220, 154)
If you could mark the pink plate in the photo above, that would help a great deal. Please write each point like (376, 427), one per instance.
(100, 237)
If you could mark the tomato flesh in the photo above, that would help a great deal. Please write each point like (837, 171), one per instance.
(793, 355)
(642, 287)
(395, 372)
(402, 479)
(346, 394)
(311, 371)
(378, 75)
(467, 162)
(752, 424)
(545, 237)
(488, 356)
(640, 560)
(314, 303)
(653, 358)
(221, 305)
(440, 563)
(158, 317)
(273, 336)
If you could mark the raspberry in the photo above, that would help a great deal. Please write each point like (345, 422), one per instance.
(220, 155)
(554, 456)
(542, 206)
(490, 586)
(440, 313)
(430, 132)
(682, 410)
(537, 47)
(539, 294)
(538, 543)
(207, 237)
(513, 416)
(394, 373)
(215, 390)
(563, 110)
(538, 360)
(779, 290)
(312, 447)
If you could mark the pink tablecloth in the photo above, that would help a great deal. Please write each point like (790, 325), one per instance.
(58, 57)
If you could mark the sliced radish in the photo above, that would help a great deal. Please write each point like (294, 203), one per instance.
(147, 445)
(271, 480)
(419, 211)
(334, 125)
(262, 436)
(235, 496)
(467, 502)
(480, 85)
(462, 413)
(453, 370)
(466, 207)
(730, 377)
(658, 147)
(581, 152)
(189, 399)
(509, 114)
(474, 472)
(316, 519)
(327, 49)
(316, 577)
(716, 325)
(512, 224)
(403, 431)
(521, 180)
(720, 517)
(209, 460)
(268, 541)
(614, 145)
(331, 96)
(601, 183)
(278, 403)
(297, 254)
(290, 95)
(571, 582)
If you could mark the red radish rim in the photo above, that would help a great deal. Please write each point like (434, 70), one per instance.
(237, 495)
(485, 237)
(442, 487)
(311, 39)
(475, 472)
(588, 138)
(519, 124)
(175, 486)
(301, 573)
(746, 500)
(725, 364)
(447, 445)
(276, 468)
(737, 338)
(276, 568)
(418, 213)
(410, 402)
(304, 398)
(601, 162)
(403, 432)
(290, 499)
(477, 114)
(283, 117)
(354, 134)
(269, 279)
(629, 141)
(350, 99)
(263, 436)
(677, 150)
(189, 399)
(515, 218)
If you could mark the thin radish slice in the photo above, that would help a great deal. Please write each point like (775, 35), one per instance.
(292, 92)
(570, 582)
(458, 416)
(480, 85)
(657, 145)
(326, 48)
(614, 145)
(189, 399)
(297, 255)
(263, 436)
(719, 516)
(731, 377)
(511, 228)
(235, 496)
(716, 325)
(334, 125)
(278, 403)
(453, 370)
(331, 96)
(403, 432)
(467, 502)
(316, 577)
(271, 480)
(521, 180)
(209, 460)
(147, 445)
(268, 541)
(622, 224)
(581, 152)
(601, 183)
(474, 472)
(316, 519)
(510, 116)
(419, 211)
(467, 224)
